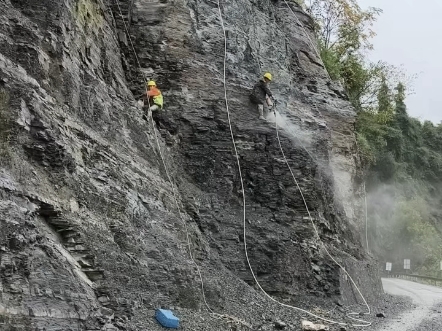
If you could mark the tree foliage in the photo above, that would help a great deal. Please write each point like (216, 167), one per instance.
(342, 25)
(344, 34)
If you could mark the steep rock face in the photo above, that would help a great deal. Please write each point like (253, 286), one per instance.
(91, 237)
(261, 36)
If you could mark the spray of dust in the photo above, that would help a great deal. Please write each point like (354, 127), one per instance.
(402, 225)
(386, 226)
(297, 135)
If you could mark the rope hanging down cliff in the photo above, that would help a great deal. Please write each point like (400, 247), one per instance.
(222, 316)
(165, 168)
(242, 185)
(244, 205)
(312, 45)
(318, 236)
(365, 200)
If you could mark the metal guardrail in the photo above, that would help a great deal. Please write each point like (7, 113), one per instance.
(418, 279)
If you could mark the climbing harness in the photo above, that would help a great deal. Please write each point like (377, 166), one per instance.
(244, 206)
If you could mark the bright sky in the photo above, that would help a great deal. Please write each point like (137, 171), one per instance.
(409, 33)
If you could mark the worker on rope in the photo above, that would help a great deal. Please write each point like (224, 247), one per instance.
(262, 96)
(154, 96)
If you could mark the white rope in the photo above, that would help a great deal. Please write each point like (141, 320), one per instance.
(244, 198)
(130, 39)
(366, 219)
(317, 233)
(242, 185)
(168, 176)
(181, 216)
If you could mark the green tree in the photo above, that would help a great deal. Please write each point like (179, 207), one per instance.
(385, 104)
(343, 25)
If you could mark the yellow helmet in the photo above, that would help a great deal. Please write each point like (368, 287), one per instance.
(268, 75)
(151, 83)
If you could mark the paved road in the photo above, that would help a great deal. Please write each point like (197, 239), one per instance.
(426, 297)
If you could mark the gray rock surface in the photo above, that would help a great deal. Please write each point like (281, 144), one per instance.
(91, 237)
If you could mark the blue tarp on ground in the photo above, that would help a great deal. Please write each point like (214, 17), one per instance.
(167, 319)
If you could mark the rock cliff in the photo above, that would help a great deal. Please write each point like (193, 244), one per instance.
(91, 237)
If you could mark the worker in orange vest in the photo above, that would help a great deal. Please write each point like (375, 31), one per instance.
(154, 96)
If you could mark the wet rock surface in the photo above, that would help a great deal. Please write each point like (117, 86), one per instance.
(91, 236)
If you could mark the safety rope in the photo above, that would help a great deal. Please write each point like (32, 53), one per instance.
(130, 39)
(365, 194)
(366, 219)
(181, 216)
(242, 187)
(322, 63)
(320, 59)
(167, 172)
(244, 205)
(317, 233)
(232, 319)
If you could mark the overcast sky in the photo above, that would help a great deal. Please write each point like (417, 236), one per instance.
(409, 32)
